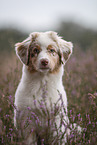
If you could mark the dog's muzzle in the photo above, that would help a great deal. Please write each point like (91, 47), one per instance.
(44, 64)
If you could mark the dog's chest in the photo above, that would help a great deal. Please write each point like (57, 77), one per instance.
(44, 89)
(36, 89)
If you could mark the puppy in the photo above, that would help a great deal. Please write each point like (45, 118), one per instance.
(43, 55)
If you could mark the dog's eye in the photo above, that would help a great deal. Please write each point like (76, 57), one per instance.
(32, 55)
(52, 50)
(36, 50)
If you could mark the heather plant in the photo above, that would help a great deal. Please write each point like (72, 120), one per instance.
(80, 81)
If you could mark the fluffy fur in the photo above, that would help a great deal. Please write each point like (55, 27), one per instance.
(43, 56)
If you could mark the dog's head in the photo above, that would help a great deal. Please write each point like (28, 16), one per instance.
(44, 52)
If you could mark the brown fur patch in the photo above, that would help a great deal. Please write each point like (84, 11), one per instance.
(49, 47)
(34, 36)
(23, 53)
(56, 69)
(66, 55)
(31, 65)
(31, 69)
(57, 61)
(34, 49)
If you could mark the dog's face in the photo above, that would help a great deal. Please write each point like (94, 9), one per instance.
(44, 52)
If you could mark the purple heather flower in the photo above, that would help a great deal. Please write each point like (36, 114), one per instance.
(89, 122)
(70, 111)
(46, 123)
(37, 119)
(34, 102)
(7, 115)
(42, 142)
(42, 104)
(10, 97)
(95, 93)
(88, 116)
(79, 115)
(13, 106)
(52, 112)
(2, 140)
(10, 129)
(83, 135)
(93, 124)
(85, 129)
(36, 122)
(31, 130)
(73, 118)
(30, 121)
(71, 135)
(81, 119)
(4, 127)
(29, 108)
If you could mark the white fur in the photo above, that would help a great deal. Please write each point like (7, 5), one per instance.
(31, 84)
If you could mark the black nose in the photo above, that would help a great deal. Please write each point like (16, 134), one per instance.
(44, 62)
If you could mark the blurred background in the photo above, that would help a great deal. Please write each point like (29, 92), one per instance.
(75, 20)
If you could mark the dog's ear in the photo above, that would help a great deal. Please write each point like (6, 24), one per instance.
(66, 49)
(22, 50)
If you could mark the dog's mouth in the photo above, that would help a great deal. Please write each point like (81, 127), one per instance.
(44, 69)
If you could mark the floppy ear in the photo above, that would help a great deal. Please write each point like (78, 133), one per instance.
(64, 46)
(66, 50)
(22, 50)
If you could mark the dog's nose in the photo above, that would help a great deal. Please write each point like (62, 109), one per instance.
(44, 62)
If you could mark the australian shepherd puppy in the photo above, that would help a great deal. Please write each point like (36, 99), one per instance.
(43, 55)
